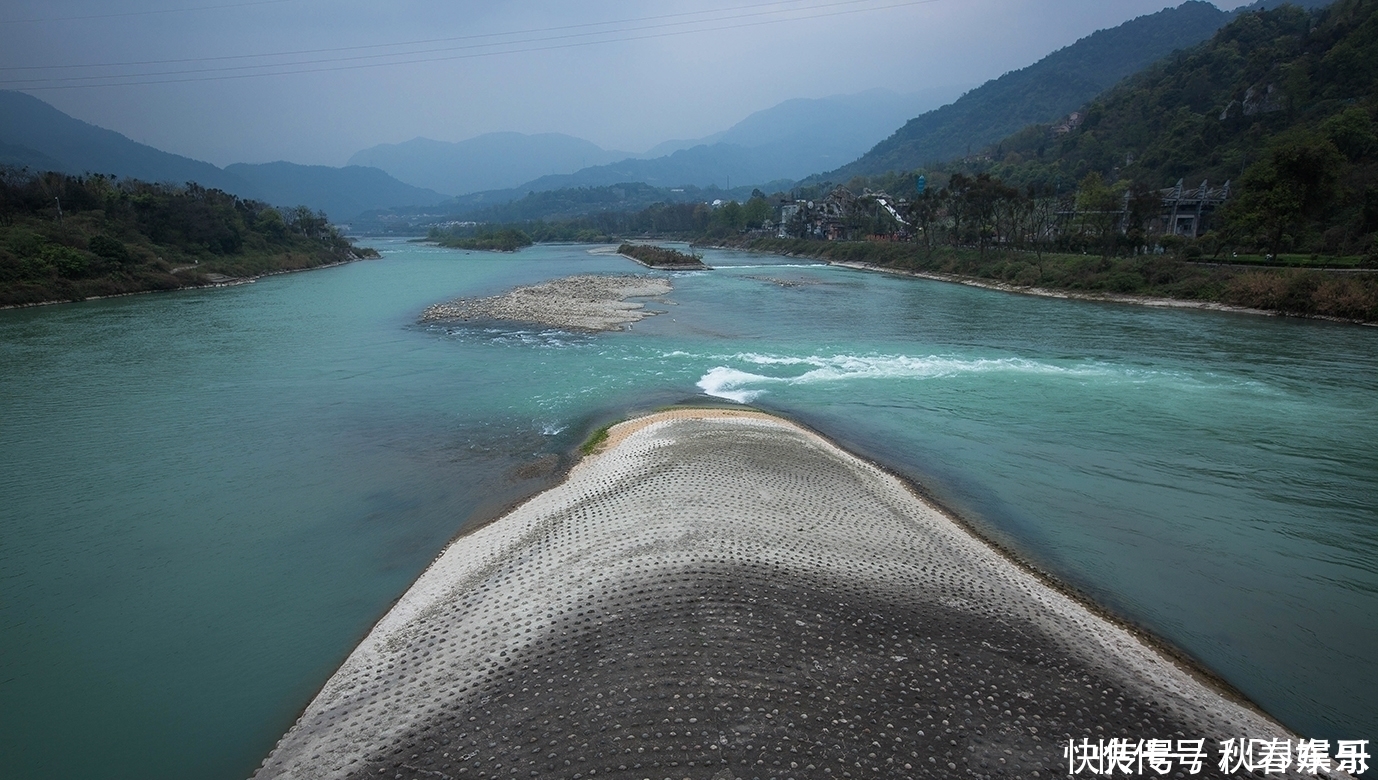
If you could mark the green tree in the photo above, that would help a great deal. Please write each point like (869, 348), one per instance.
(756, 211)
(1285, 190)
(1352, 132)
(109, 249)
(923, 215)
(1100, 208)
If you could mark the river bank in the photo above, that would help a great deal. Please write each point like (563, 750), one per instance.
(213, 280)
(788, 607)
(1152, 280)
(1045, 292)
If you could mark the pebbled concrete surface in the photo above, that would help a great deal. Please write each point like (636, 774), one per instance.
(725, 595)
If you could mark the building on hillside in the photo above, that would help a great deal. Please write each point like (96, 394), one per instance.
(790, 217)
(1072, 122)
(1187, 212)
(844, 216)
(833, 213)
(822, 219)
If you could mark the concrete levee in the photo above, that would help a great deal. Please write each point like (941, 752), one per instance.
(722, 595)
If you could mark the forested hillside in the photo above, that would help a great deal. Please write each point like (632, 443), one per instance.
(1281, 103)
(1054, 86)
(73, 237)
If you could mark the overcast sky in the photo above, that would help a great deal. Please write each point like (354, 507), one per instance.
(625, 75)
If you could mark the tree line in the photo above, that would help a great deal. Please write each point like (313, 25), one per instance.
(658, 220)
(66, 237)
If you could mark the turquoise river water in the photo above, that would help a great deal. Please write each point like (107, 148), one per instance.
(208, 497)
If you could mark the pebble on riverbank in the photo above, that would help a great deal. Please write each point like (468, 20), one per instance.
(592, 303)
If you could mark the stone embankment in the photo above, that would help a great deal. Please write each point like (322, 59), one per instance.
(591, 303)
(722, 595)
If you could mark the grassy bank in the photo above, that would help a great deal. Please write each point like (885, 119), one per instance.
(1298, 292)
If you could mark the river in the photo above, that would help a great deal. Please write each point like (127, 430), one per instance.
(208, 497)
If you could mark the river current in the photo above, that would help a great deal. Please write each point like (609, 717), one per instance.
(208, 497)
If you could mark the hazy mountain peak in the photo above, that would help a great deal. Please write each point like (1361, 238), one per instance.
(341, 193)
(786, 141)
(79, 147)
(486, 162)
(38, 136)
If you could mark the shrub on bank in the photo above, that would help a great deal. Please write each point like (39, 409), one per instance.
(659, 256)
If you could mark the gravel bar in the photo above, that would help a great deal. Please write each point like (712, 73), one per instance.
(589, 303)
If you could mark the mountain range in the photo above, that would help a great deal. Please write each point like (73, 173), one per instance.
(35, 135)
(771, 148)
(784, 142)
(777, 145)
(759, 149)
(492, 161)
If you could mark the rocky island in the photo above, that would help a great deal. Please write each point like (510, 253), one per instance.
(661, 258)
(587, 302)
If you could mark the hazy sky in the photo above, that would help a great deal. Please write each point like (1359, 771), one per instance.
(625, 75)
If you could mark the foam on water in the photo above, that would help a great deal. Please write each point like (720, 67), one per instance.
(723, 382)
(737, 385)
(548, 338)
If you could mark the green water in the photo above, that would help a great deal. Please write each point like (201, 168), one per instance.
(207, 497)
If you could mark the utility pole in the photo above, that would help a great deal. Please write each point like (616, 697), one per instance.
(59, 209)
